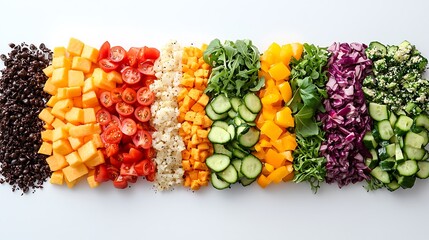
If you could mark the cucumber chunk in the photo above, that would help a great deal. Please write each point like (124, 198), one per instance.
(414, 153)
(229, 175)
(408, 168)
(422, 120)
(423, 172)
(246, 181)
(378, 112)
(393, 186)
(385, 130)
(381, 175)
(218, 162)
(403, 124)
(251, 166)
(414, 140)
(253, 103)
(406, 181)
(219, 135)
(221, 104)
(250, 138)
(219, 148)
(218, 183)
(369, 141)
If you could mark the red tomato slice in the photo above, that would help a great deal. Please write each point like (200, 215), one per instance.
(128, 170)
(129, 95)
(142, 139)
(132, 56)
(120, 182)
(149, 153)
(111, 149)
(117, 160)
(133, 156)
(145, 96)
(131, 179)
(140, 55)
(151, 177)
(131, 75)
(116, 95)
(124, 109)
(151, 53)
(112, 135)
(103, 117)
(146, 67)
(104, 51)
(142, 113)
(107, 65)
(113, 172)
(128, 127)
(144, 167)
(106, 99)
(117, 54)
(101, 174)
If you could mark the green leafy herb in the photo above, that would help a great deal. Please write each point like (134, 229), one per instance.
(235, 68)
(373, 184)
(308, 79)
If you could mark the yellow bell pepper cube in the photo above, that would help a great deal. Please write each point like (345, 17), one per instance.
(285, 91)
(274, 158)
(271, 130)
(284, 118)
(279, 71)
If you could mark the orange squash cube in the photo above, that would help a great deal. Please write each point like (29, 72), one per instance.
(87, 151)
(62, 147)
(57, 178)
(46, 116)
(75, 78)
(59, 52)
(81, 64)
(45, 148)
(60, 77)
(90, 53)
(89, 99)
(73, 159)
(75, 47)
(72, 173)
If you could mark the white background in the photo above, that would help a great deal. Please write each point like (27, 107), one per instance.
(285, 211)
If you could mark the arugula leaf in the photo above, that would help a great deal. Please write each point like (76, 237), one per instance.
(235, 67)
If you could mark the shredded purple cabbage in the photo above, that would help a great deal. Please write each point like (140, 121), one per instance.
(346, 119)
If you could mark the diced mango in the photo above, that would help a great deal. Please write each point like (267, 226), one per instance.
(73, 159)
(76, 142)
(90, 53)
(75, 115)
(50, 88)
(45, 148)
(75, 47)
(60, 77)
(60, 133)
(57, 178)
(72, 173)
(47, 135)
(52, 100)
(89, 85)
(46, 116)
(82, 130)
(56, 162)
(59, 52)
(81, 64)
(48, 70)
(90, 179)
(62, 147)
(61, 62)
(87, 151)
(75, 78)
(97, 160)
(89, 99)
(89, 115)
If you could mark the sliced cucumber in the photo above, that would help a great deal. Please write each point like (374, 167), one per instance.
(414, 140)
(406, 181)
(218, 183)
(238, 121)
(408, 168)
(369, 141)
(218, 162)
(229, 175)
(393, 186)
(403, 124)
(239, 153)
(253, 103)
(425, 136)
(250, 138)
(231, 130)
(378, 112)
(423, 172)
(237, 164)
(219, 148)
(422, 120)
(385, 130)
(246, 114)
(232, 113)
(242, 129)
(235, 103)
(221, 124)
(221, 104)
(213, 115)
(414, 153)
(381, 175)
(251, 166)
(219, 135)
(246, 181)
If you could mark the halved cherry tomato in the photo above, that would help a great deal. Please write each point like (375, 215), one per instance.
(142, 139)
(113, 172)
(132, 56)
(104, 51)
(142, 113)
(117, 160)
(151, 177)
(151, 53)
(112, 135)
(146, 67)
(116, 95)
(145, 126)
(130, 75)
(145, 96)
(106, 99)
(120, 182)
(140, 55)
(132, 156)
(117, 54)
(103, 117)
(101, 174)
(131, 179)
(129, 95)
(111, 148)
(124, 109)
(144, 167)
(149, 153)
(115, 121)
(107, 65)
(148, 80)
(128, 127)
(127, 169)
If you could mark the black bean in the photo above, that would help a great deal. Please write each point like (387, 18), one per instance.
(21, 100)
